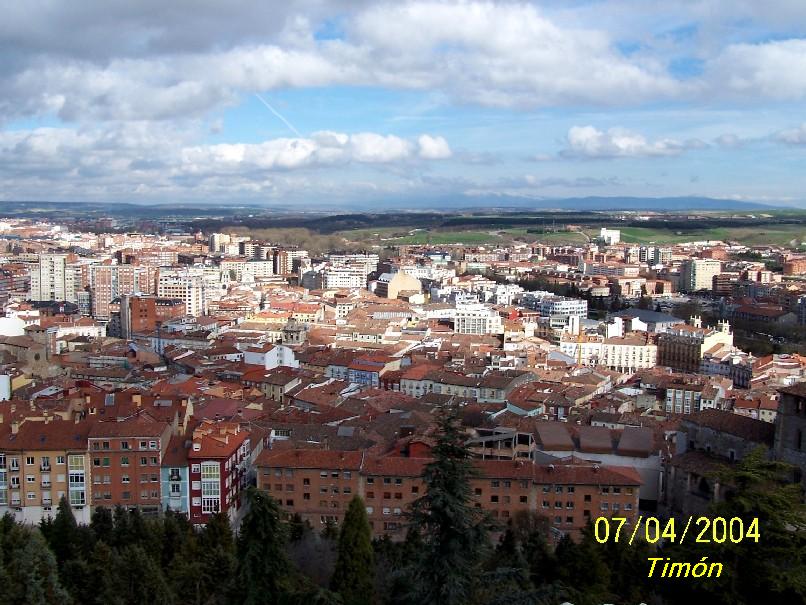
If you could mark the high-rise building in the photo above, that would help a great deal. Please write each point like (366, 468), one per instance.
(108, 282)
(53, 279)
(185, 285)
(698, 274)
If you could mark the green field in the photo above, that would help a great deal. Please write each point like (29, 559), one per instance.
(766, 234)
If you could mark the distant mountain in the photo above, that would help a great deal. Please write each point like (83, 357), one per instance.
(591, 203)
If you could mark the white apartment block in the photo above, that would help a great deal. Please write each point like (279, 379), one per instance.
(53, 279)
(698, 274)
(345, 276)
(477, 319)
(368, 261)
(186, 285)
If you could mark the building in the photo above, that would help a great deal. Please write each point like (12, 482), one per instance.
(790, 427)
(476, 318)
(126, 462)
(610, 236)
(142, 314)
(175, 477)
(392, 285)
(217, 458)
(184, 285)
(108, 282)
(344, 276)
(698, 274)
(53, 279)
(683, 346)
(319, 484)
(40, 462)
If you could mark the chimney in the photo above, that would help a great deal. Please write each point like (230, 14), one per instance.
(15, 427)
(137, 399)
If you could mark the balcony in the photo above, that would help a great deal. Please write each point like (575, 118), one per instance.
(45, 468)
(47, 502)
(45, 483)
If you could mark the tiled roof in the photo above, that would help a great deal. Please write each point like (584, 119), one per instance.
(756, 431)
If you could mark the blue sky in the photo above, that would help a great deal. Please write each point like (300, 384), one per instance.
(389, 100)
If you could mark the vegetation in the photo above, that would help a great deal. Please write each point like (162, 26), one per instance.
(122, 558)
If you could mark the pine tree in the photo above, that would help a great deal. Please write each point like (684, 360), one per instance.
(139, 579)
(31, 572)
(353, 576)
(102, 524)
(218, 562)
(63, 533)
(263, 567)
(455, 536)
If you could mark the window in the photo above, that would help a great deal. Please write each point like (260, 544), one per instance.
(176, 490)
(524, 499)
(306, 496)
(370, 510)
(152, 445)
(143, 461)
(59, 459)
(105, 445)
(387, 480)
(569, 504)
(546, 489)
(289, 503)
(370, 495)
(30, 460)
(31, 496)
(124, 479)
(628, 506)
(494, 498)
(195, 468)
(174, 474)
(495, 483)
(106, 461)
(143, 445)
(616, 490)
(571, 489)
(45, 462)
(14, 464)
(124, 445)
(348, 475)
(545, 503)
(370, 480)
(127, 495)
(154, 461)
(606, 490)
(587, 497)
(96, 445)
(605, 506)
(124, 461)
(323, 474)
(558, 489)
(306, 482)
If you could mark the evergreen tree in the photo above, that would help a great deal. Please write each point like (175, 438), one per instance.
(139, 579)
(446, 571)
(263, 568)
(218, 562)
(63, 533)
(31, 572)
(102, 524)
(353, 576)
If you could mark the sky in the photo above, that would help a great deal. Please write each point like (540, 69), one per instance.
(324, 102)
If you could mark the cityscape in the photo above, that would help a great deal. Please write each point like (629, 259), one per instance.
(440, 303)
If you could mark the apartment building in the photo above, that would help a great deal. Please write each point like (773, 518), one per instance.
(53, 278)
(345, 276)
(142, 314)
(217, 459)
(184, 285)
(476, 318)
(698, 274)
(40, 462)
(683, 346)
(126, 461)
(108, 282)
(318, 485)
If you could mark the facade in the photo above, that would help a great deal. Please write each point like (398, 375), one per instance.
(126, 461)
(175, 477)
(683, 347)
(477, 319)
(142, 314)
(790, 427)
(217, 459)
(41, 462)
(392, 285)
(318, 485)
(108, 282)
(698, 274)
(53, 279)
(181, 284)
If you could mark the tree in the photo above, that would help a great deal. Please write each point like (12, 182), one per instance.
(63, 533)
(102, 524)
(353, 576)
(771, 569)
(263, 567)
(447, 568)
(31, 574)
(138, 579)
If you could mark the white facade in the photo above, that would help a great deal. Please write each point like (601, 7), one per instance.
(185, 285)
(477, 319)
(53, 279)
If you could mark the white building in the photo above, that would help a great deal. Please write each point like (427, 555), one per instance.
(53, 279)
(698, 274)
(477, 319)
(345, 276)
(610, 236)
(186, 285)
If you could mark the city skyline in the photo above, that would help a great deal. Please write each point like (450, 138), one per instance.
(338, 103)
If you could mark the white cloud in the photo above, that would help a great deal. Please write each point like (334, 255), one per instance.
(770, 70)
(433, 148)
(590, 142)
(792, 136)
